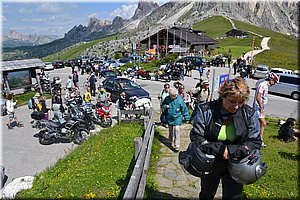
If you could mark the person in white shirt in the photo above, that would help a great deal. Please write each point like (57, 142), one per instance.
(10, 111)
(260, 101)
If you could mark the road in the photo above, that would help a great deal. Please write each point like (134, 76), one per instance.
(23, 155)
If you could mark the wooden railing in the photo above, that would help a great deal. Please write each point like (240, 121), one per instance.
(142, 146)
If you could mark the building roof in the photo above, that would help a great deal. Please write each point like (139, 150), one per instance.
(21, 64)
(193, 37)
(236, 32)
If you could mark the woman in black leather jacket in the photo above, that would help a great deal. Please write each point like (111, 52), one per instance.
(226, 128)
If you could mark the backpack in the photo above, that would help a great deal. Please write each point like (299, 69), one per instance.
(31, 104)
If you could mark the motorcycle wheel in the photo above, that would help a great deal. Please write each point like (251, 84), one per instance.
(148, 77)
(107, 122)
(80, 135)
(156, 78)
(43, 140)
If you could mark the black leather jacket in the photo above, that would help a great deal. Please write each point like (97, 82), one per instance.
(207, 125)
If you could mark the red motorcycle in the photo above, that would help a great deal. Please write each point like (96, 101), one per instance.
(143, 74)
(103, 113)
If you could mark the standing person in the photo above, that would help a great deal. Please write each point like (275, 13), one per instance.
(103, 96)
(70, 84)
(226, 128)
(87, 96)
(177, 84)
(201, 71)
(92, 82)
(177, 111)
(204, 95)
(10, 106)
(260, 101)
(161, 97)
(76, 79)
(208, 74)
(229, 59)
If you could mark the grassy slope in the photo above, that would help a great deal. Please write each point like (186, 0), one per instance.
(75, 51)
(283, 52)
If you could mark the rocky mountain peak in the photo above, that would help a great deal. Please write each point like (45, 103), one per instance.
(144, 7)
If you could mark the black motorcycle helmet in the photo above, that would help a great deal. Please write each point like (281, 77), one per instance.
(247, 170)
(196, 162)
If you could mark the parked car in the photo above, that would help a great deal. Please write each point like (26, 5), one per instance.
(281, 70)
(261, 71)
(111, 64)
(123, 61)
(117, 85)
(58, 64)
(48, 66)
(108, 74)
(288, 84)
(3, 106)
(196, 61)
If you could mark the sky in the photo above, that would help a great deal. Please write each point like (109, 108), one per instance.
(58, 17)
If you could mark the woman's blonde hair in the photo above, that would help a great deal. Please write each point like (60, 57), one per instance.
(236, 88)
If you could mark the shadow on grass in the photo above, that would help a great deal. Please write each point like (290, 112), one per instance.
(289, 155)
(123, 182)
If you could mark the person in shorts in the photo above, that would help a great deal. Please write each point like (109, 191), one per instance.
(260, 101)
(10, 105)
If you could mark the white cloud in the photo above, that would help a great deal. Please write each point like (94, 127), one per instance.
(25, 10)
(126, 11)
(50, 8)
(34, 20)
(3, 19)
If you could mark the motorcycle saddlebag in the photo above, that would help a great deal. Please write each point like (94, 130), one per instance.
(37, 115)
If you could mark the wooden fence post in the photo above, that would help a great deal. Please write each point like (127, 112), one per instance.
(138, 141)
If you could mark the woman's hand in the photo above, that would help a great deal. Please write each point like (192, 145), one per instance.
(225, 155)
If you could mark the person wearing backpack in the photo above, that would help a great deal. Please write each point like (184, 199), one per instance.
(33, 101)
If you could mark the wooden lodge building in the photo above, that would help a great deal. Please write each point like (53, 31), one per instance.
(177, 40)
(236, 33)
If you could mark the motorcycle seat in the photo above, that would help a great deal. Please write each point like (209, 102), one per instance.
(54, 124)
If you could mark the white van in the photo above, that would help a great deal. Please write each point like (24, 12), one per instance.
(281, 70)
(288, 85)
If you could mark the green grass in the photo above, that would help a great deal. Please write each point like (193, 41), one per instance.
(282, 178)
(213, 26)
(99, 168)
(72, 53)
(152, 185)
(23, 98)
(284, 49)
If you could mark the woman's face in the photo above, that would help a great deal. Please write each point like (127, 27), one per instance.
(232, 104)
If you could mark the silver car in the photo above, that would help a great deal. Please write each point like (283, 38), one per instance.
(261, 71)
(288, 85)
(3, 107)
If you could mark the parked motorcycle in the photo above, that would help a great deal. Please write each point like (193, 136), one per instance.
(65, 128)
(103, 114)
(84, 113)
(143, 74)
